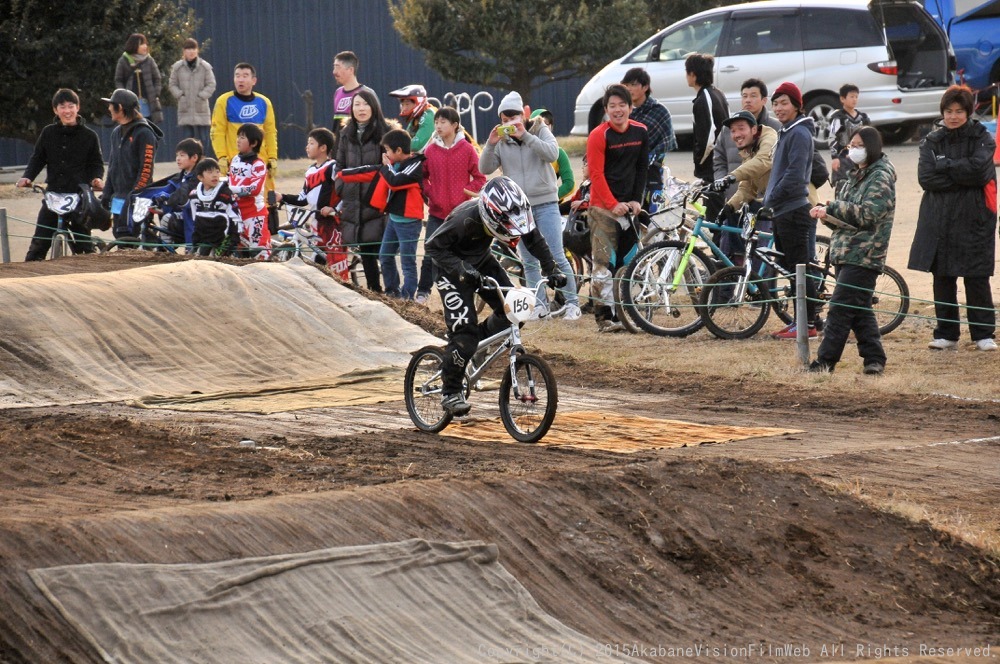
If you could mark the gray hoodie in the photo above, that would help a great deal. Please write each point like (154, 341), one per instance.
(527, 161)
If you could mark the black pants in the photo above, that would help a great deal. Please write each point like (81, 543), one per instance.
(791, 237)
(45, 228)
(464, 329)
(982, 319)
(850, 310)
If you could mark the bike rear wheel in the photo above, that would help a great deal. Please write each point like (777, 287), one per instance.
(648, 296)
(891, 300)
(422, 389)
(60, 246)
(620, 284)
(123, 243)
(729, 309)
(528, 408)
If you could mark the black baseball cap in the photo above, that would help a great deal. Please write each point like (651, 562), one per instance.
(741, 115)
(122, 97)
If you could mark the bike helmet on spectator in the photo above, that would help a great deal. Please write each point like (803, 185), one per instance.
(415, 93)
(92, 213)
(505, 210)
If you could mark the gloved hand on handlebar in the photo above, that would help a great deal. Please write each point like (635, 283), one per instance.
(470, 276)
(557, 279)
(722, 184)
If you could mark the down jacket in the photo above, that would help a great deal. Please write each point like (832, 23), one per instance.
(360, 223)
(956, 227)
(192, 88)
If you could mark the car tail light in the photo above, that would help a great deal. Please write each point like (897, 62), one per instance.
(887, 67)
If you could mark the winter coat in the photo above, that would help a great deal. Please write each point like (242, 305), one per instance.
(868, 202)
(192, 88)
(754, 171)
(360, 223)
(726, 156)
(527, 161)
(956, 226)
(70, 155)
(141, 76)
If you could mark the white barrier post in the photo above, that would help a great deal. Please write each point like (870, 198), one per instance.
(801, 315)
(4, 240)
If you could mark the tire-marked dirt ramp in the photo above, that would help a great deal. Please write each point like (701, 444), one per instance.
(411, 601)
(655, 554)
(196, 327)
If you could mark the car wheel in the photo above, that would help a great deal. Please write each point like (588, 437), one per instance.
(820, 108)
(896, 134)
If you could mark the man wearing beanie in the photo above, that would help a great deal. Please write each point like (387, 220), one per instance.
(788, 190)
(525, 150)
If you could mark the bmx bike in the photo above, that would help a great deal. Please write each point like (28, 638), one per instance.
(528, 396)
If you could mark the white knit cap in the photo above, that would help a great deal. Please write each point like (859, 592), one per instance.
(512, 102)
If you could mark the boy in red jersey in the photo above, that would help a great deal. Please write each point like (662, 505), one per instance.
(247, 173)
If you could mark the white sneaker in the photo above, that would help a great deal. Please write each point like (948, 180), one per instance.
(986, 344)
(609, 326)
(572, 312)
(944, 344)
(540, 311)
(421, 298)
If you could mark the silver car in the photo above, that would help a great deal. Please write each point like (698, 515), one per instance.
(893, 50)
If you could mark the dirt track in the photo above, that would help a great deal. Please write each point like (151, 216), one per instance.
(761, 542)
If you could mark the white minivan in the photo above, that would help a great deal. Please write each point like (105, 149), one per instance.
(893, 50)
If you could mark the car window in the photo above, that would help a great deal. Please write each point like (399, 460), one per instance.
(763, 33)
(701, 36)
(855, 29)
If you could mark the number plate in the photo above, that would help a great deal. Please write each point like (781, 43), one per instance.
(518, 304)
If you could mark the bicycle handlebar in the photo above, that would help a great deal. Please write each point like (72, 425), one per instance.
(497, 287)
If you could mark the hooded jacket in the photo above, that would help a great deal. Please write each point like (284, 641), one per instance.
(791, 167)
(448, 171)
(527, 161)
(753, 174)
(956, 227)
(868, 202)
(726, 156)
(130, 165)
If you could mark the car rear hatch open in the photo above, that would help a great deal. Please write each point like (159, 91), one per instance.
(920, 49)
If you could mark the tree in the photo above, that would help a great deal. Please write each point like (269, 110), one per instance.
(48, 45)
(519, 45)
(662, 14)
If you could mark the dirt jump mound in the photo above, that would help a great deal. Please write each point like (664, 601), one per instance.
(196, 330)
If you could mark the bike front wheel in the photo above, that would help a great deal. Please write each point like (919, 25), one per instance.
(282, 252)
(731, 308)
(60, 246)
(123, 243)
(619, 289)
(422, 388)
(528, 399)
(649, 295)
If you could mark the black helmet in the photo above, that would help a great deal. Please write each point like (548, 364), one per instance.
(505, 210)
(92, 213)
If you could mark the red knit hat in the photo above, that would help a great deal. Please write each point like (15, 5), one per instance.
(790, 89)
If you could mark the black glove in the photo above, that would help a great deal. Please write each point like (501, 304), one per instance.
(470, 276)
(557, 280)
(765, 214)
(722, 184)
(159, 201)
(725, 214)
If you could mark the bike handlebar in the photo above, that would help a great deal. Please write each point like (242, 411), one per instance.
(497, 287)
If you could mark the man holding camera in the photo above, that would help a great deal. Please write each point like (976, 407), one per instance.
(525, 150)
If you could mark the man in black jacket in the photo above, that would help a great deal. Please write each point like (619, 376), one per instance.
(130, 166)
(71, 154)
(460, 249)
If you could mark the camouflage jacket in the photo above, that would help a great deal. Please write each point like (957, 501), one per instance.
(866, 201)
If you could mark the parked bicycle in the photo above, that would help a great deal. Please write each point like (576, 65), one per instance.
(736, 301)
(68, 208)
(528, 396)
(147, 233)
